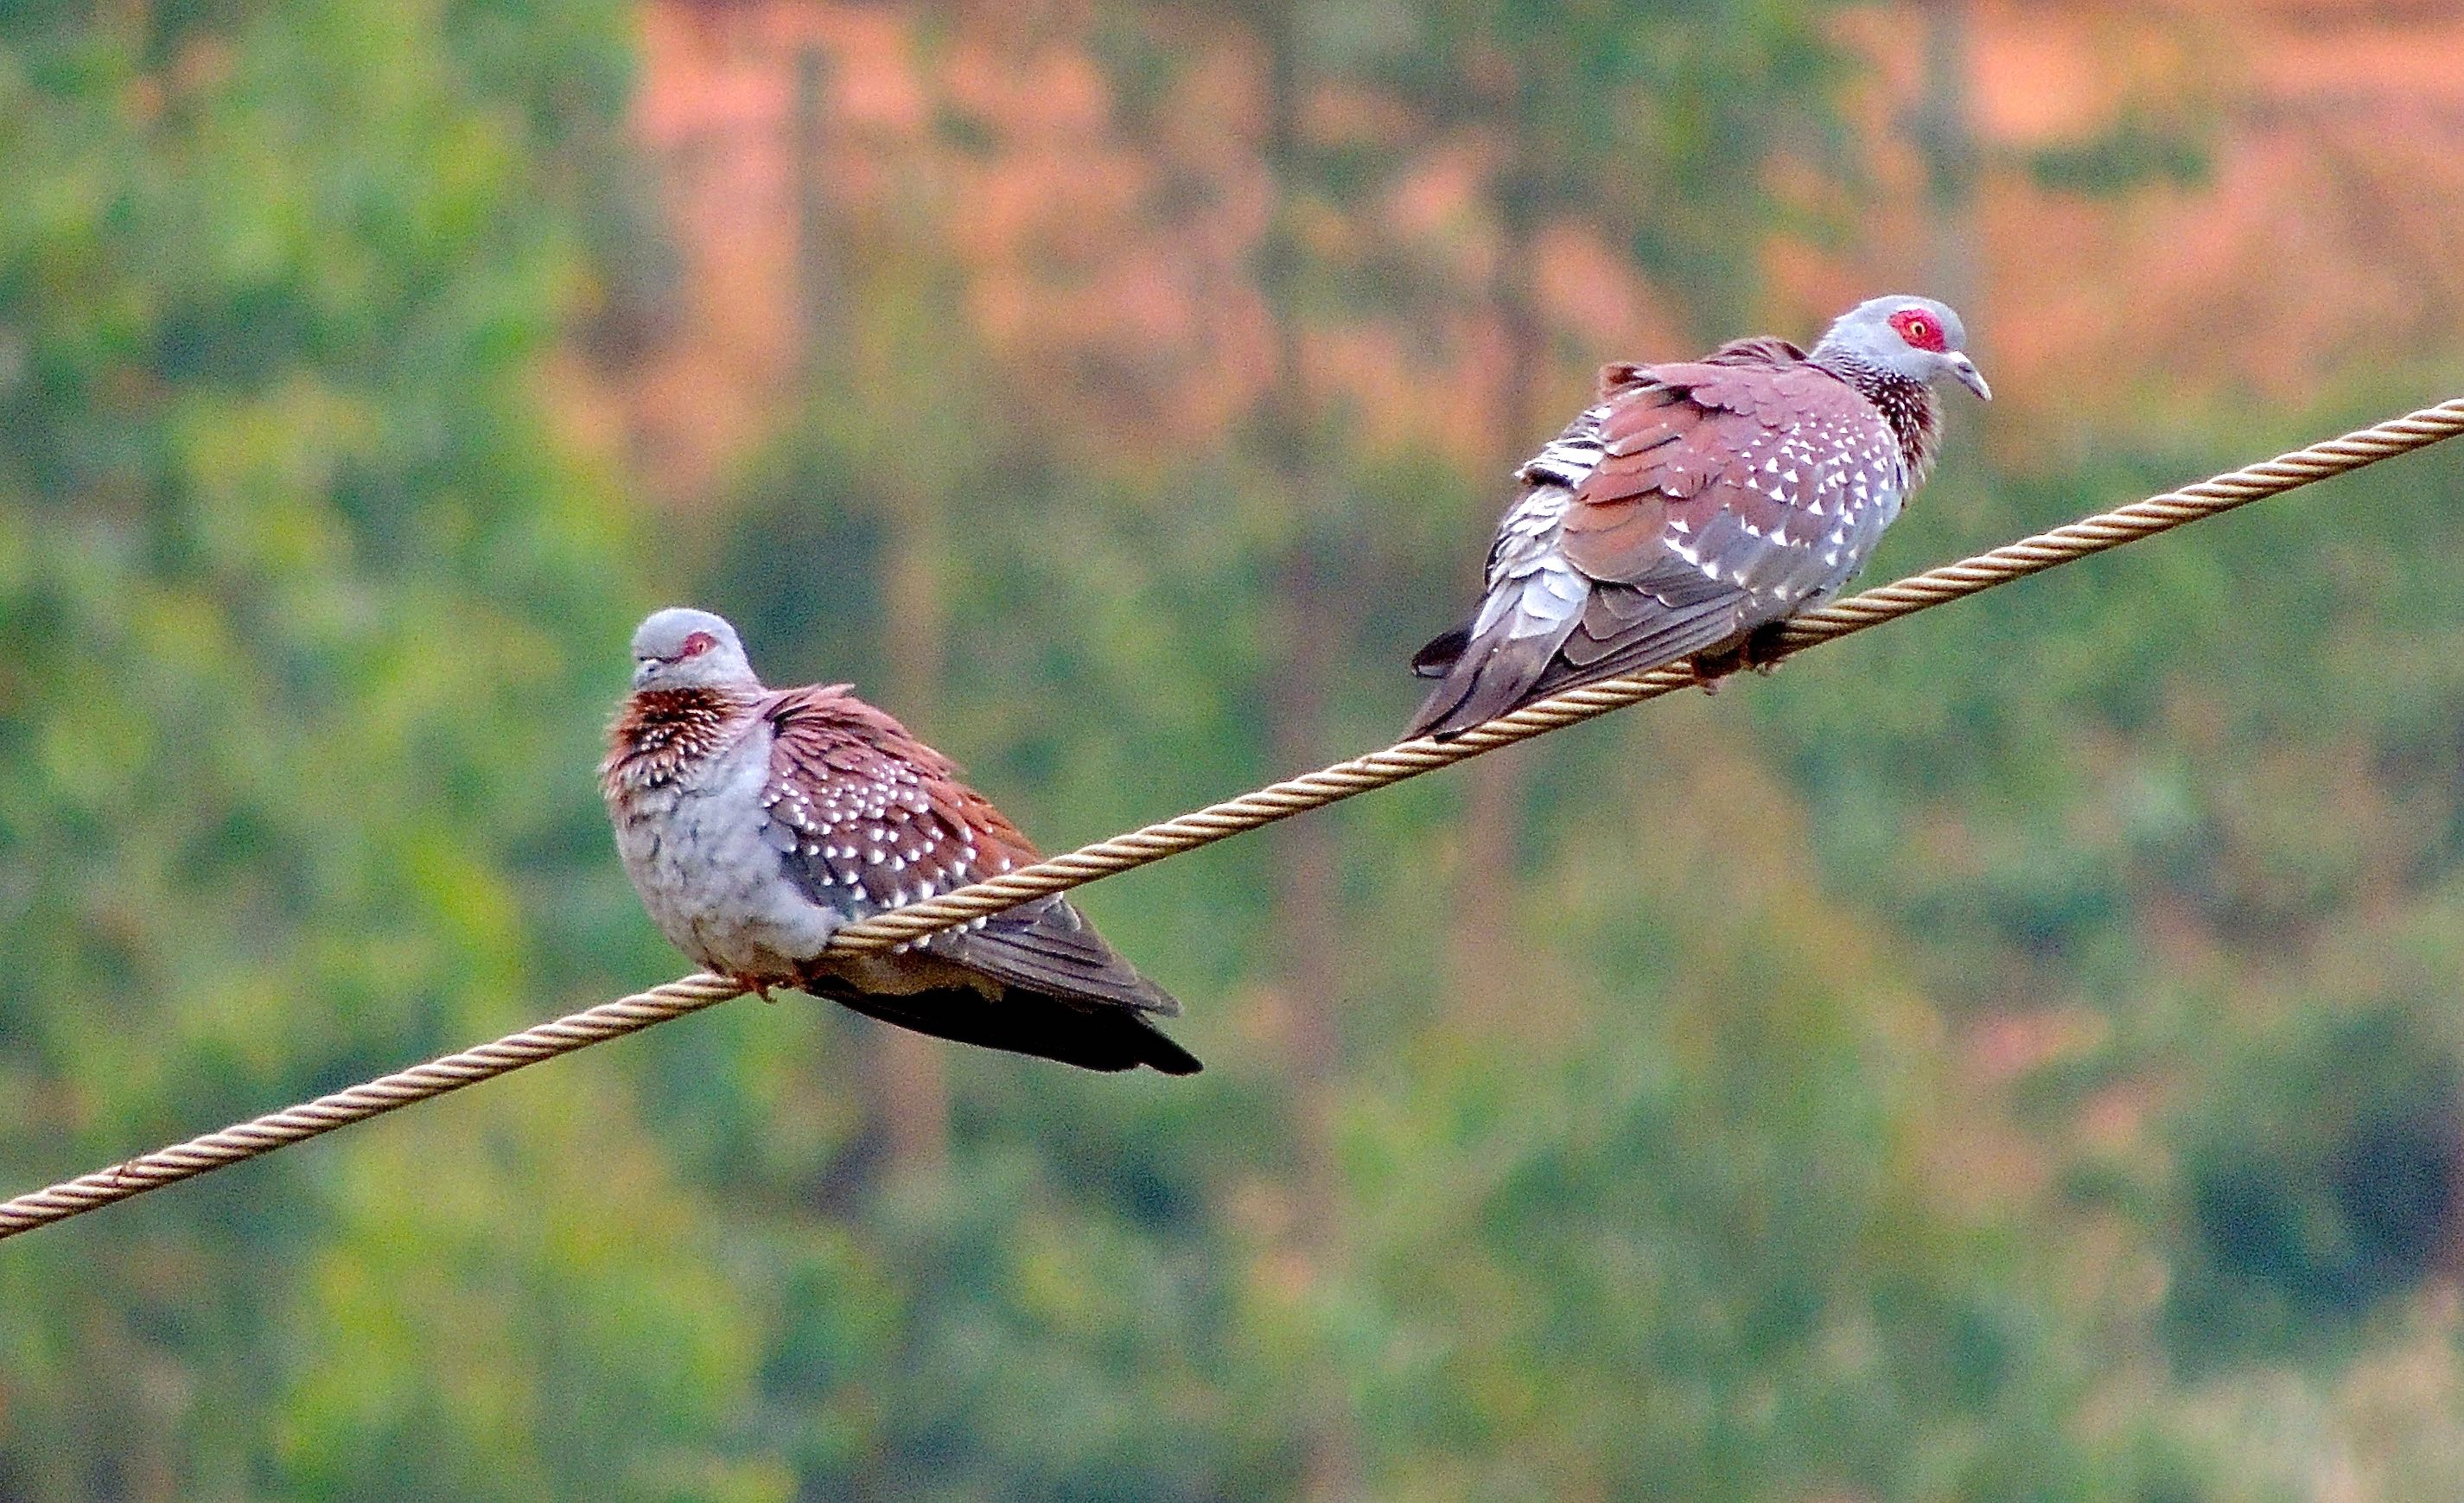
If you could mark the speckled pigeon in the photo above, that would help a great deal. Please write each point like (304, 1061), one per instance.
(754, 822)
(1697, 502)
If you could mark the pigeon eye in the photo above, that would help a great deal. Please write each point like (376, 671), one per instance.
(1918, 328)
(697, 644)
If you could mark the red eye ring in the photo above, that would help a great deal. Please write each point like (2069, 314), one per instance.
(697, 644)
(1917, 327)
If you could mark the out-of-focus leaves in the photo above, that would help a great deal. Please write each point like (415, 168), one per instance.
(1998, 1057)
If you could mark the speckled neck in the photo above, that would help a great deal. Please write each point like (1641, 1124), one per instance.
(663, 733)
(1911, 406)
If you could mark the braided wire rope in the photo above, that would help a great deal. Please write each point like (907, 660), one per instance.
(2064, 544)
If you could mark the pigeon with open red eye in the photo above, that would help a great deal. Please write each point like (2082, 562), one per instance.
(754, 822)
(1696, 503)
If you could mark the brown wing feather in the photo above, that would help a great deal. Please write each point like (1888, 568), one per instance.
(880, 819)
(1716, 499)
(1697, 525)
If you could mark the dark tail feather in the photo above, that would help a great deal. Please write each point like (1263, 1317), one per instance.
(1441, 652)
(1482, 683)
(1023, 1022)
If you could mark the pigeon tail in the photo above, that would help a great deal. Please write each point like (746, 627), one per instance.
(1484, 677)
(1025, 1022)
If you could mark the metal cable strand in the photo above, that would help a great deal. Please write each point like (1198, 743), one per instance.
(278, 1129)
(1918, 592)
(1281, 801)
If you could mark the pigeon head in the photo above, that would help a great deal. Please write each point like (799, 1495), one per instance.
(1914, 337)
(684, 649)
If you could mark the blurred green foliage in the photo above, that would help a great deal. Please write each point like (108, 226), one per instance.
(312, 613)
(2134, 154)
(302, 593)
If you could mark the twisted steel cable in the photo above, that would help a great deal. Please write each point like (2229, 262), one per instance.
(1917, 593)
(1343, 780)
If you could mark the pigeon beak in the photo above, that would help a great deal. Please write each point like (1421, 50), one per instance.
(1969, 376)
(644, 670)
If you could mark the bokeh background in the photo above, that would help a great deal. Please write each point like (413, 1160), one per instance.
(2018, 1054)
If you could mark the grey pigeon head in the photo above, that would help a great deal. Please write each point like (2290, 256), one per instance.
(1904, 334)
(680, 647)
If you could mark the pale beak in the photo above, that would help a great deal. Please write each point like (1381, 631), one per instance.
(1969, 376)
(644, 670)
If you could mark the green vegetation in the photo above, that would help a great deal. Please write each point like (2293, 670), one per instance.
(2010, 1056)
